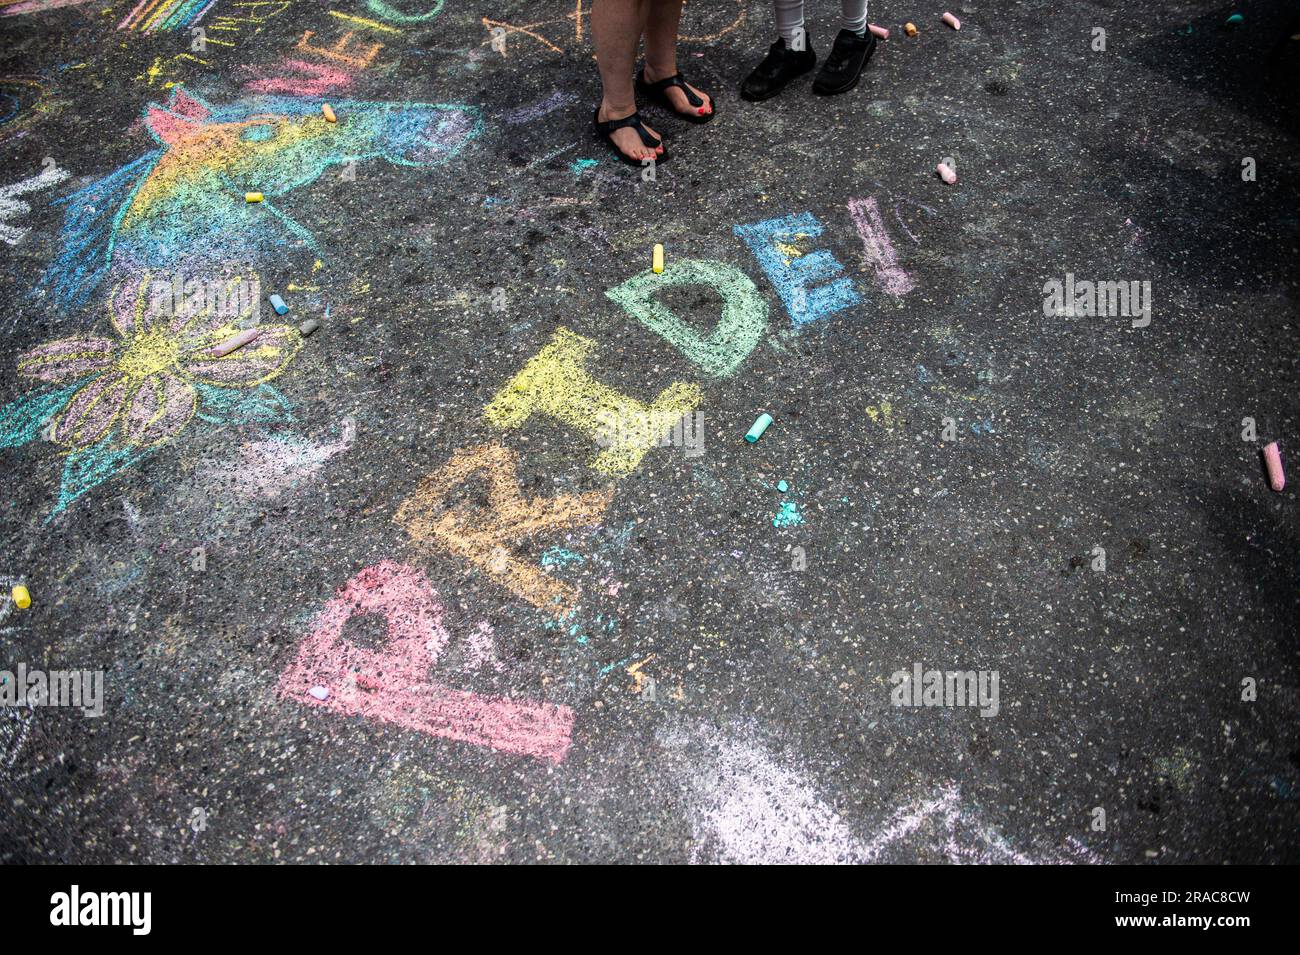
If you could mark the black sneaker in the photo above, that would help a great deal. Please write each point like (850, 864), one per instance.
(779, 67)
(843, 68)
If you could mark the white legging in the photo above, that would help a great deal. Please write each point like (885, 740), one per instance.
(789, 16)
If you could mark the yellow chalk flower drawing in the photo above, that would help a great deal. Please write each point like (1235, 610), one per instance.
(145, 379)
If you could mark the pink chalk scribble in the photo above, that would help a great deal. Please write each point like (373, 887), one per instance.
(878, 247)
(393, 684)
(36, 6)
(298, 78)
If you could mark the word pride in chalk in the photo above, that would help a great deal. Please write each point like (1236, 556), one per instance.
(393, 684)
(558, 382)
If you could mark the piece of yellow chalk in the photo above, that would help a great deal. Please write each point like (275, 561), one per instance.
(252, 197)
(659, 259)
(21, 597)
(910, 29)
(329, 113)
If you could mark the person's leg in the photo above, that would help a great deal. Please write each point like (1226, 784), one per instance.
(789, 19)
(660, 22)
(853, 16)
(783, 63)
(853, 48)
(615, 30)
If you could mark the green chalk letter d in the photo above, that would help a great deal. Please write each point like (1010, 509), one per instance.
(382, 10)
(744, 312)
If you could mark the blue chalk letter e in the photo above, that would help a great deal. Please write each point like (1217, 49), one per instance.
(774, 243)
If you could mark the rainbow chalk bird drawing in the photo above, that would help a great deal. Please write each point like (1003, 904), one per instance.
(181, 208)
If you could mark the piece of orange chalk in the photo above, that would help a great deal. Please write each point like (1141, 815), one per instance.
(878, 31)
(952, 21)
(1273, 462)
(946, 173)
(329, 113)
(910, 29)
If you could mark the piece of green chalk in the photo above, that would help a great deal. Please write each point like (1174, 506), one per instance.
(760, 425)
(1235, 19)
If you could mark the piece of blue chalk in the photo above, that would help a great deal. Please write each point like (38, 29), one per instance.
(277, 303)
(760, 425)
(782, 486)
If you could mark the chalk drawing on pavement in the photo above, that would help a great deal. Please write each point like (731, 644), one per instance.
(489, 538)
(393, 685)
(183, 203)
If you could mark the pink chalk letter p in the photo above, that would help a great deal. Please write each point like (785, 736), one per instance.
(393, 684)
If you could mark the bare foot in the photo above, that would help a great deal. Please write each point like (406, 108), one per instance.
(677, 96)
(626, 139)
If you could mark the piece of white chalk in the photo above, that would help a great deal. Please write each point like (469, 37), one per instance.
(234, 342)
(1273, 463)
(878, 31)
(952, 21)
(946, 173)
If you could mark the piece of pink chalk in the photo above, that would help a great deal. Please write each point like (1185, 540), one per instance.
(1273, 462)
(952, 21)
(235, 341)
(946, 173)
(878, 31)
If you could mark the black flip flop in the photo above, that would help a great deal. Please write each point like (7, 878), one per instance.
(606, 129)
(658, 93)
